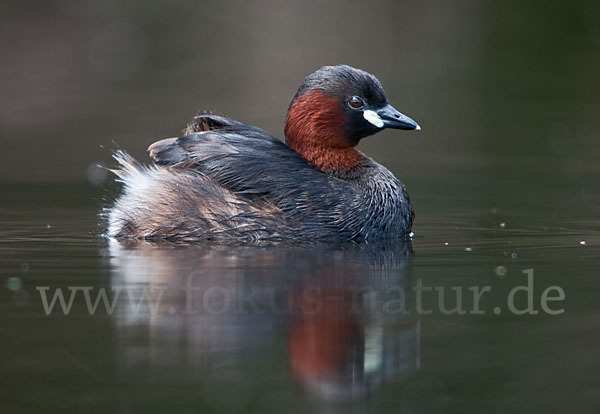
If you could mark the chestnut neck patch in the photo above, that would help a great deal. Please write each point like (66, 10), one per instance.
(314, 128)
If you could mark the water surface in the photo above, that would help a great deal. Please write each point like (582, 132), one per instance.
(324, 328)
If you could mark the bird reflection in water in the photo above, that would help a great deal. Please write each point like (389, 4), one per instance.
(342, 310)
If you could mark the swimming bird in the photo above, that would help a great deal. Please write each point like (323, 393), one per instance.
(226, 180)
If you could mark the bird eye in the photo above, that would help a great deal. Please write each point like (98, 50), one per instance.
(355, 102)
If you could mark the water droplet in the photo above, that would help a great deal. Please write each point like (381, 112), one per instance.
(500, 271)
(468, 249)
(502, 225)
(582, 242)
(96, 173)
(513, 256)
(24, 267)
(13, 283)
(21, 297)
(445, 243)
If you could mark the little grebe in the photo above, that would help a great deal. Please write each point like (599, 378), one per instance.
(227, 180)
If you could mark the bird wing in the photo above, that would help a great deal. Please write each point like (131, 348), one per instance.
(250, 162)
(208, 135)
